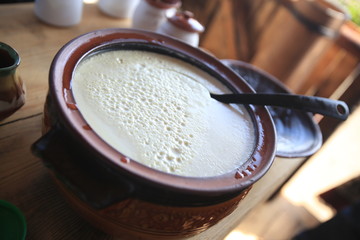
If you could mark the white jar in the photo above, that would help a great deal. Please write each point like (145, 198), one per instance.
(118, 8)
(184, 27)
(63, 13)
(150, 14)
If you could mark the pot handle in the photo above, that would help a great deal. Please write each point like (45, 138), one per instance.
(80, 171)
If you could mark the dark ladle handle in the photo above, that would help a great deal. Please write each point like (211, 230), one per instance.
(324, 106)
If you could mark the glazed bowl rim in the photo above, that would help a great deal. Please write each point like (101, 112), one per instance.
(13, 54)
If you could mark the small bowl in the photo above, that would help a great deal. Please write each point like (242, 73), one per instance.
(12, 88)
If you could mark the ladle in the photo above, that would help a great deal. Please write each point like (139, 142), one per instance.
(324, 106)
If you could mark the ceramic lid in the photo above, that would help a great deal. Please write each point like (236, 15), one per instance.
(185, 21)
(297, 133)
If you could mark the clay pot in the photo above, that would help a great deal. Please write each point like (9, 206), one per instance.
(119, 195)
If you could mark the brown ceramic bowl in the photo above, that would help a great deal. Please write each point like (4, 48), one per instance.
(119, 195)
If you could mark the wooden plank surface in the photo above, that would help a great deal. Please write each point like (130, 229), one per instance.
(24, 181)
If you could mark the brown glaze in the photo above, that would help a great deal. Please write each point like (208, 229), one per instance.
(102, 183)
(298, 127)
(86, 127)
(136, 219)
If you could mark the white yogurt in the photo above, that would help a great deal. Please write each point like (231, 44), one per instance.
(157, 110)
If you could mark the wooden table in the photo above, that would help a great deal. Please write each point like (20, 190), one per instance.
(24, 181)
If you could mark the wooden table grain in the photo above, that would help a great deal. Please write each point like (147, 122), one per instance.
(24, 181)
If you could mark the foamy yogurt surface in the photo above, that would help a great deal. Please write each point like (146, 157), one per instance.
(157, 110)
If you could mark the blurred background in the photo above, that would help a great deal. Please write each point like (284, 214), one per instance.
(313, 52)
